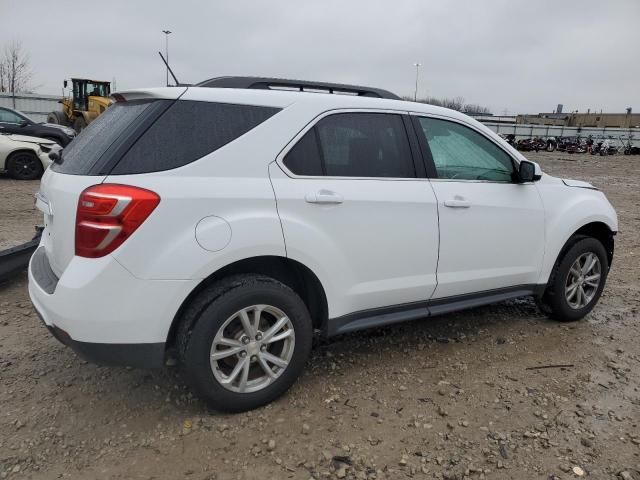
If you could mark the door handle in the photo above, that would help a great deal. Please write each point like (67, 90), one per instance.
(457, 202)
(324, 196)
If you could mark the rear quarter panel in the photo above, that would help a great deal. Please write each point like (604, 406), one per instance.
(231, 183)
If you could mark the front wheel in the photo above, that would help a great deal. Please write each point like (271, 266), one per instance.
(577, 281)
(24, 166)
(249, 340)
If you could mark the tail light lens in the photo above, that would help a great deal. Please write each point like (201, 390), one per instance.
(108, 214)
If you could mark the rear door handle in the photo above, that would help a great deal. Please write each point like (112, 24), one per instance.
(324, 196)
(457, 202)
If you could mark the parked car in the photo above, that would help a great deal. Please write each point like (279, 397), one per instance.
(221, 226)
(12, 121)
(25, 158)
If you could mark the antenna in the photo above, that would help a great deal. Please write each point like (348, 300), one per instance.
(170, 71)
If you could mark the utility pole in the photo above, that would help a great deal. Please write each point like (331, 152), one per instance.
(166, 50)
(415, 93)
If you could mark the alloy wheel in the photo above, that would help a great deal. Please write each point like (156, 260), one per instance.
(583, 280)
(25, 166)
(252, 348)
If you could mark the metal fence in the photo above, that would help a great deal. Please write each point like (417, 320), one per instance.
(523, 131)
(33, 105)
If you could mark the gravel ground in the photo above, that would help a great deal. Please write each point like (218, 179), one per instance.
(451, 398)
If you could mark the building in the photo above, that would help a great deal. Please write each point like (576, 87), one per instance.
(589, 119)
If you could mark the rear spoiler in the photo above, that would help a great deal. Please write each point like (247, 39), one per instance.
(162, 93)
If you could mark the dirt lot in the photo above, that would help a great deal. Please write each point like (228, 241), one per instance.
(447, 398)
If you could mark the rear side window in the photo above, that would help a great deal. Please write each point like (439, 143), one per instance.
(187, 131)
(87, 149)
(354, 145)
(304, 157)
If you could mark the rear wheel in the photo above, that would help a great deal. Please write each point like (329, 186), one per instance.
(244, 342)
(24, 166)
(577, 281)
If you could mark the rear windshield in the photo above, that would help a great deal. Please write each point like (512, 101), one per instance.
(142, 137)
(85, 151)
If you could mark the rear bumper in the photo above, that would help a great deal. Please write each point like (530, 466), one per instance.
(104, 313)
(141, 355)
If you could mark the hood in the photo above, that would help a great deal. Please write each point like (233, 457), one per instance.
(578, 184)
(24, 138)
(65, 129)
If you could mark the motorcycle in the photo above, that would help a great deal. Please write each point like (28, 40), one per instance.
(628, 148)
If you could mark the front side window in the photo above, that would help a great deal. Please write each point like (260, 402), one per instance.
(460, 153)
(354, 145)
(7, 116)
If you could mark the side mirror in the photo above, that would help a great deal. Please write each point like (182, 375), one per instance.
(24, 123)
(527, 172)
(54, 156)
(64, 84)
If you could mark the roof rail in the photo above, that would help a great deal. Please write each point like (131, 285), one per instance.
(263, 83)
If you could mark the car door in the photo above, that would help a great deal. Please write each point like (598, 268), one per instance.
(355, 212)
(491, 226)
(9, 121)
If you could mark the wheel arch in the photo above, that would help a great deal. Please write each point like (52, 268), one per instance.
(292, 273)
(597, 229)
(17, 151)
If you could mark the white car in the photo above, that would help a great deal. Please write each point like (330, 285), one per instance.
(222, 226)
(23, 157)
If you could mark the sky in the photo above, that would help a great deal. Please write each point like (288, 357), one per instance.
(513, 56)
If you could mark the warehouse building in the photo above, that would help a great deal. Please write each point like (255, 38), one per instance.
(589, 119)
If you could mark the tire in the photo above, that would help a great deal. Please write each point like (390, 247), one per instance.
(24, 166)
(208, 317)
(57, 118)
(79, 124)
(555, 302)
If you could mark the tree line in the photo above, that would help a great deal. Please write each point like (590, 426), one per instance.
(455, 103)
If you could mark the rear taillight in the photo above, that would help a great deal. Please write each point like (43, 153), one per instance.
(108, 214)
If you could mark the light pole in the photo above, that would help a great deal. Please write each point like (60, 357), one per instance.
(166, 50)
(415, 93)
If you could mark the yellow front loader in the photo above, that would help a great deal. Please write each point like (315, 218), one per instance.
(89, 99)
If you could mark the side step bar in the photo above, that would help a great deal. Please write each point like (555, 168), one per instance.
(15, 259)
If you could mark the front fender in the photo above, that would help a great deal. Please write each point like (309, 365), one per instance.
(567, 210)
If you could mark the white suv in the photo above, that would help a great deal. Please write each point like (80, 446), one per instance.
(222, 226)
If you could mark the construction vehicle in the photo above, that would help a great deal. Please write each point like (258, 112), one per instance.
(89, 99)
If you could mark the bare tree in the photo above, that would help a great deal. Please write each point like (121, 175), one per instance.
(3, 76)
(15, 71)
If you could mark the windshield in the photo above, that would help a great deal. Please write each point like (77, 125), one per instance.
(11, 116)
(97, 89)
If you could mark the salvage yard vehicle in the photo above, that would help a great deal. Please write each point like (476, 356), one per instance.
(25, 158)
(89, 98)
(221, 226)
(12, 121)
